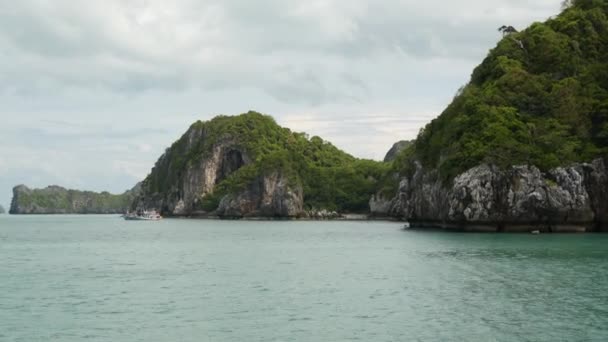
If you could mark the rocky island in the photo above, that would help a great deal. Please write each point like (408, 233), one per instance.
(2, 211)
(523, 145)
(249, 166)
(58, 200)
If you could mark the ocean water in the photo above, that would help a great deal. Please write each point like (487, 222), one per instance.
(99, 278)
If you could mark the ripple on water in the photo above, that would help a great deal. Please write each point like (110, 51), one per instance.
(187, 280)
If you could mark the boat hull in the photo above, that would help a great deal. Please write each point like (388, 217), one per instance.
(146, 216)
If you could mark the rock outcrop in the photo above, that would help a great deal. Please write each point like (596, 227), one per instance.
(520, 198)
(270, 195)
(396, 149)
(178, 190)
(58, 200)
(192, 179)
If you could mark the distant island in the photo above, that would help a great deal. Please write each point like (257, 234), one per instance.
(2, 211)
(58, 200)
(522, 147)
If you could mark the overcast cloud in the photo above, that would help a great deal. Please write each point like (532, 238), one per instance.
(92, 92)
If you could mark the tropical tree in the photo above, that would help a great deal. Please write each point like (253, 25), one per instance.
(507, 30)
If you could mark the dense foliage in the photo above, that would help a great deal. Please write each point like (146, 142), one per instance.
(60, 200)
(540, 97)
(330, 178)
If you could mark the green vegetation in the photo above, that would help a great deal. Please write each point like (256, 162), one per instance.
(540, 97)
(330, 178)
(54, 199)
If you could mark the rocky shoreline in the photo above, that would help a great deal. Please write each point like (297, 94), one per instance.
(415, 225)
(572, 199)
(346, 218)
(518, 199)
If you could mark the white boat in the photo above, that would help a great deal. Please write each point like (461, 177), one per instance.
(143, 216)
(406, 225)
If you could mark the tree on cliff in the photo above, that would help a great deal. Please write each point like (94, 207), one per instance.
(506, 30)
(567, 4)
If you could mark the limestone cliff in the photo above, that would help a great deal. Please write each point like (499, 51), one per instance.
(213, 172)
(265, 195)
(177, 189)
(270, 195)
(58, 200)
(519, 198)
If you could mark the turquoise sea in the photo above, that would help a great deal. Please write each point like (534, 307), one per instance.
(99, 278)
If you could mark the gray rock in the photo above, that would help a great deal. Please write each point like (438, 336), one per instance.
(380, 204)
(472, 196)
(396, 149)
(596, 184)
(270, 195)
(570, 198)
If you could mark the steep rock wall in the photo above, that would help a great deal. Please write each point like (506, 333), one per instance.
(268, 195)
(521, 198)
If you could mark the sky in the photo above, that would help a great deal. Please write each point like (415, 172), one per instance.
(93, 92)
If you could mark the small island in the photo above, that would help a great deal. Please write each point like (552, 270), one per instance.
(58, 200)
(2, 211)
(249, 166)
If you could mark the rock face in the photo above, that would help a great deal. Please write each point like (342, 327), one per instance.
(181, 190)
(184, 188)
(267, 196)
(521, 198)
(58, 200)
(2, 210)
(397, 147)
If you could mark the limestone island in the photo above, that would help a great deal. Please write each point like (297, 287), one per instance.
(58, 200)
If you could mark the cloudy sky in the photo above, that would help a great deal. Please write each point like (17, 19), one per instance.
(92, 92)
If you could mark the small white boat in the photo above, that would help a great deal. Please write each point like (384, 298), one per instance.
(535, 232)
(143, 216)
(406, 225)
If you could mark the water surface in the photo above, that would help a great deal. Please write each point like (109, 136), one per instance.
(99, 278)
